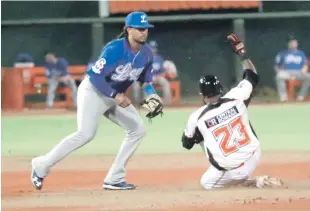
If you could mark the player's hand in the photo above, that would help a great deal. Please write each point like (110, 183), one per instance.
(122, 100)
(154, 105)
(236, 44)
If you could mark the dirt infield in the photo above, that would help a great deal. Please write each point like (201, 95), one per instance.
(165, 182)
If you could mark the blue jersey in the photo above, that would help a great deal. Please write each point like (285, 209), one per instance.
(60, 68)
(158, 62)
(118, 67)
(291, 60)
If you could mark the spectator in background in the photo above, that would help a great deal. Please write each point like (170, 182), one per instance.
(57, 71)
(292, 64)
(160, 76)
(23, 60)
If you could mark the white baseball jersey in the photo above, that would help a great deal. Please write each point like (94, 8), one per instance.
(227, 133)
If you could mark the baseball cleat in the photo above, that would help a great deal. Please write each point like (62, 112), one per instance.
(268, 182)
(119, 186)
(37, 181)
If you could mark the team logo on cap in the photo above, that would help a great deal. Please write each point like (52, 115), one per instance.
(143, 19)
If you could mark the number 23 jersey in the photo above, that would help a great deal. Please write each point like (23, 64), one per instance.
(226, 129)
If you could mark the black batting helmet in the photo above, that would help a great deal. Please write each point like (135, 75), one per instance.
(210, 86)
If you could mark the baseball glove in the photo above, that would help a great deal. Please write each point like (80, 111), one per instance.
(154, 105)
(237, 46)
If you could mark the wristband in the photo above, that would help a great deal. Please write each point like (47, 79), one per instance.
(149, 90)
(243, 56)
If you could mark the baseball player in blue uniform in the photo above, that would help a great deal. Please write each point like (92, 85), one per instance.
(292, 64)
(56, 69)
(122, 61)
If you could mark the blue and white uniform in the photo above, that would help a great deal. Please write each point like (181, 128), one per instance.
(118, 67)
(290, 64)
(54, 72)
(115, 70)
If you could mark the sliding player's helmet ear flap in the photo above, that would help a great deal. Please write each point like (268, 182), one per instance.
(210, 86)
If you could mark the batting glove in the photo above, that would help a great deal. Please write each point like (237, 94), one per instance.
(237, 46)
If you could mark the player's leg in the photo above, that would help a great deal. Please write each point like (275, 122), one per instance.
(71, 84)
(281, 77)
(214, 178)
(51, 89)
(242, 174)
(165, 86)
(91, 105)
(129, 119)
(305, 77)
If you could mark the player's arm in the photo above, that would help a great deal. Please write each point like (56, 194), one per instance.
(48, 73)
(99, 71)
(250, 77)
(305, 63)
(191, 134)
(278, 62)
(63, 66)
(152, 101)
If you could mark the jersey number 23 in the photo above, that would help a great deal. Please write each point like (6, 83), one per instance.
(232, 136)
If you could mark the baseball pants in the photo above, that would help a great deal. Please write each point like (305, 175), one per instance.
(53, 83)
(282, 76)
(214, 178)
(91, 105)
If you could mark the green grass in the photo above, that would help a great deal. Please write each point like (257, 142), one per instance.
(279, 128)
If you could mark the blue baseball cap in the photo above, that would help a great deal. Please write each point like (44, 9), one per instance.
(137, 20)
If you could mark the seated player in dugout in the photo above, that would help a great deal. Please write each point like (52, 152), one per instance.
(223, 130)
(292, 64)
(56, 70)
(163, 72)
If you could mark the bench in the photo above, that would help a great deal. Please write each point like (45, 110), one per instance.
(291, 85)
(175, 87)
(31, 81)
(35, 83)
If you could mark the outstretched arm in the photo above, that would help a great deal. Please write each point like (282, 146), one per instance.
(247, 64)
(239, 49)
(250, 77)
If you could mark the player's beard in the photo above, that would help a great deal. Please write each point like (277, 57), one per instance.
(140, 42)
